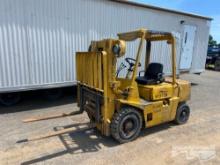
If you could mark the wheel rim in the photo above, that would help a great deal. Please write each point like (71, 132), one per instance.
(129, 126)
(184, 115)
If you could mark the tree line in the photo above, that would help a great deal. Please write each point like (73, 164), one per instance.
(212, 42)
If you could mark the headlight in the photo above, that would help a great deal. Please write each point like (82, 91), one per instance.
(119, 48)
(116, 49)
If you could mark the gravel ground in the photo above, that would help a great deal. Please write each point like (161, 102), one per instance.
(197, 142)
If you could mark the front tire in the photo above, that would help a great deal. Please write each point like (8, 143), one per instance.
(182, 114)
(126, 125)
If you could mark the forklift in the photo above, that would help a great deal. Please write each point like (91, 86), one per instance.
(122, 106)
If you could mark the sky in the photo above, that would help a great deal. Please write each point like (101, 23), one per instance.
(209, 8)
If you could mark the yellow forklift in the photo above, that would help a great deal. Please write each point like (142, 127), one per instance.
(121, 106)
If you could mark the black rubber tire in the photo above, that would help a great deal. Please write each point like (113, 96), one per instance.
(182, 114)
(126, 114)
(53, 94)
(9, 99)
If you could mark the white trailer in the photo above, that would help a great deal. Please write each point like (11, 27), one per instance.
(39, 38)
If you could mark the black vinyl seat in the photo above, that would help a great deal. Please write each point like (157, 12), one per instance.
(153, 75)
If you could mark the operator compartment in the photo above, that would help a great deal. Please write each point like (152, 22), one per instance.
(155, 92)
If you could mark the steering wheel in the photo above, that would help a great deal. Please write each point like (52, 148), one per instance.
(131, 62)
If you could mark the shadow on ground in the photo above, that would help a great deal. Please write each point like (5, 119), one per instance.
(212, 69)
(77, 143)
(35, 100)
(89, 141)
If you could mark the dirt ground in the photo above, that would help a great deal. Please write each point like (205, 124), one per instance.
(197, 142)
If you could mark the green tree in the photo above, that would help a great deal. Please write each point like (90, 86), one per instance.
(212, 42)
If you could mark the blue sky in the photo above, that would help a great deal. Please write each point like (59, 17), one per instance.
(209, 8)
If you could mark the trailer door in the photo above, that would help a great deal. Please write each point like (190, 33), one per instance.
(187, 47)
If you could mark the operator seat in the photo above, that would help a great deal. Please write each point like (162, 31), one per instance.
(153, 75)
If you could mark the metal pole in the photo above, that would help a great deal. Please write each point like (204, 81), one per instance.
(173, 59)
(148, 50)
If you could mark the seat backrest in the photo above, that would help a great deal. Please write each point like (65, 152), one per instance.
(153, 70)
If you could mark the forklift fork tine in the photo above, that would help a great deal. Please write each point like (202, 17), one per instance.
(60, 132)
(51, 117)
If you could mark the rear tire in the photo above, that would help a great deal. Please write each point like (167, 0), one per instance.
(126, 125)
(9, 99)
(182, 114)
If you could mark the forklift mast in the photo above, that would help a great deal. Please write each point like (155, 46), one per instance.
(96, 76)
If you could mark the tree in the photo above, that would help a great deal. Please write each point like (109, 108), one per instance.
(212, 42)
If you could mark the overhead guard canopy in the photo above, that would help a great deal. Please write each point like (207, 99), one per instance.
(146, 34)
(133, 35)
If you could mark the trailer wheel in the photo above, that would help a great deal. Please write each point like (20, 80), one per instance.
(9, 99)
(217, 65)
(126, 125)
(182, 114)
(53, 94)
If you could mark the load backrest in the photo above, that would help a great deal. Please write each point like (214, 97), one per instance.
(91, 69)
